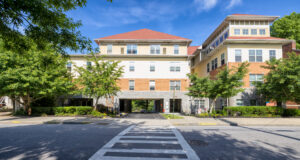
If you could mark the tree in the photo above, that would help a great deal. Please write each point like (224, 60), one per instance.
(33, 75)
(226, 84)
(287, 27)
(282, 83)
(100, 78)
(42, 22)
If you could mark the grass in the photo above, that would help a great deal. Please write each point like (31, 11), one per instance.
(171, 116)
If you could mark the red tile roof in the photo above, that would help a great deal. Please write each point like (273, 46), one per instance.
(238, 14)
(192, 49)
(258, 38)
(144, 34)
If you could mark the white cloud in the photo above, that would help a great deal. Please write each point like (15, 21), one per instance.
(205, 4)
(233, 3)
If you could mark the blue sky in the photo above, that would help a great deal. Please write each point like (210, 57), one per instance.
(193, 19)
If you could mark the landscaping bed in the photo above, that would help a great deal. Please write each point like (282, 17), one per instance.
(172, 116)
(253, 112)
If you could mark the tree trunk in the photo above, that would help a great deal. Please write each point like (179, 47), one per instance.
(95, 106)
(212, 106)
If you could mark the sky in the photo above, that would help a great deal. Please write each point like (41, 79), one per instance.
(193, 19)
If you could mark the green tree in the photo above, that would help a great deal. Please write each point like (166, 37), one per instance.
(227, 83)
(100, 78)
(282, 83)
(287, 27)
(33, 75)
(42, 22)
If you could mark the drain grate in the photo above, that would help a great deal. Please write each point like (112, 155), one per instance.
(197, 142)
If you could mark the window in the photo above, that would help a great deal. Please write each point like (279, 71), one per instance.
(212, 64)
(222, 59)
(174, 67)
(226, 35)
(202, 104)
(272, 54)
(253, 31)
(152, 85)
(88, 65)
(69, 66)
(245, 32)
(236, 31)
(262, 31)
(217, 43)
(255, 78)
(152, 68)
(216, 63)
(131, 67)
(207, 67)
(221, 39)
(109, 48)
(131, 49)
(155, 49)
(176, 49)
(253, 102)
(175, 85)
(239, 102)
(238, 55)
(255, 55)
(131, 85)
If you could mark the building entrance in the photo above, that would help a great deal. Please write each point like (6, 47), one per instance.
(141, 105)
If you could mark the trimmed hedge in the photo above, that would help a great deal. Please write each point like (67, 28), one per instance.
(69, 110)
(267, 111)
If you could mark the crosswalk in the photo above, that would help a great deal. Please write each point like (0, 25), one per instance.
(146, 143)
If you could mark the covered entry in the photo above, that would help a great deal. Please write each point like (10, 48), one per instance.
(175, 105)
(141, 105)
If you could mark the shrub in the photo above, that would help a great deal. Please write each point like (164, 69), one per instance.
(291, 112)
(98, 114)
(20, 112)
(42, 110)
(84, 110)
(70, 110)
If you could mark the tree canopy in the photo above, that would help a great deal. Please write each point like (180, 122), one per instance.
(226, 84)
(287, 27)
(33, 75)
(99, 78)
(43, 22)
(282, 83)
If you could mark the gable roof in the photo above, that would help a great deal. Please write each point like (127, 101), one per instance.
(192, 49)
(143, 34)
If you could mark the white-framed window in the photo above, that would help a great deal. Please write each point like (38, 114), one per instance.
(69, 66)
(222, 59)
(236, 31)
(109, 49)
(272, 54)
(207, 67)
(152, 85)
(131, 49)
(174, 67)
(131, 67)
(152, 67)
(238, 55)
(131, 85)
(239, 102)
(253, 31)
(175, 85)
(245, 31)
(255, 78)
(262, 31)
(155, 49)
(213, 65)
(255, 55)
(88, 65)
(216, 63)
(176, 49)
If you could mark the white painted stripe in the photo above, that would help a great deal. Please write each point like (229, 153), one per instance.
(137, 158)
(147, 141)
(99, 154)
(151, 132)
(186, 147)
(169, 151)
(156, 137)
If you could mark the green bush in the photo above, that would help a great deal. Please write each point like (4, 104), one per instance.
(70, 110)
(42, 110)
(291, 112)
(97, 114)
(20, 112)
(84, 110)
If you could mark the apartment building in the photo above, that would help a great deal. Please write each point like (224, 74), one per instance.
(155, 68)
(237, 39)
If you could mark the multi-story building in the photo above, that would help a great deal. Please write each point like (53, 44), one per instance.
(155, 68)
(237, 39)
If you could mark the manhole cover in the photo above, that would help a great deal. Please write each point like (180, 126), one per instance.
(198, 142)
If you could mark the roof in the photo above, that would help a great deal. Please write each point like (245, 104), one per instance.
(255, 38)
(192, 49)
(238, 14)
(143, 34)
